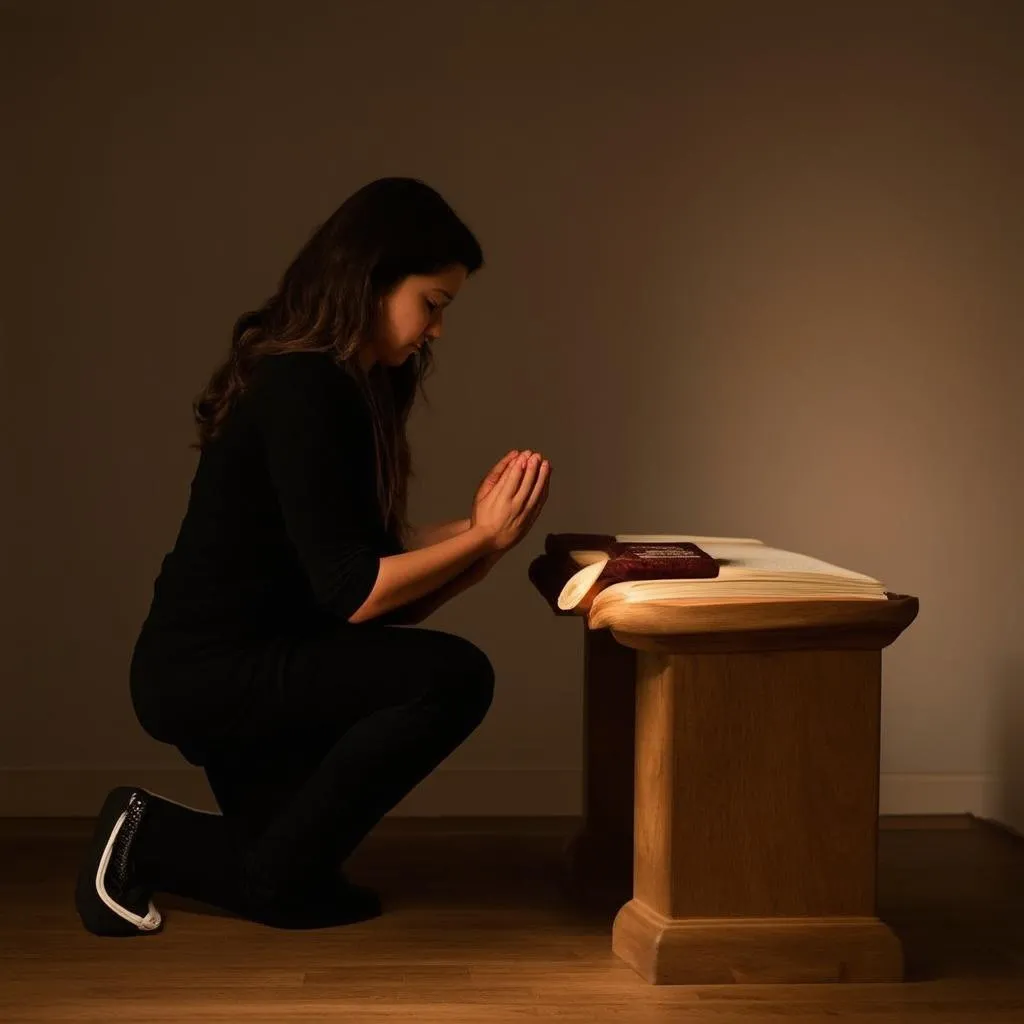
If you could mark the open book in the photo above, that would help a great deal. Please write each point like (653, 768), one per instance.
(748, 568)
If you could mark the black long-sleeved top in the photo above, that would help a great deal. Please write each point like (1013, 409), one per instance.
(282, 527)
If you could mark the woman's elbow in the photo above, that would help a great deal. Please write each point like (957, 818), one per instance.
(366, 609)
(350, 594)
(362, 614)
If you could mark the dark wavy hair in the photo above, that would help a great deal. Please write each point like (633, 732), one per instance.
(330, 300)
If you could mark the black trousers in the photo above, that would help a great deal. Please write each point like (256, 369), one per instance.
(306, 749)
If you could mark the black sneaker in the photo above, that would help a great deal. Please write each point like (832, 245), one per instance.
(109, 899)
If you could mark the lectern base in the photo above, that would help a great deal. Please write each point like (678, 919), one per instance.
(755, 951)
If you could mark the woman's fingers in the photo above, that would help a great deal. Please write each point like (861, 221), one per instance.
(528, 480)
(540, 484)
(495, 474)
(539, 494)
(522, 485)
(535, 500)
(534, 503)
(510, 480)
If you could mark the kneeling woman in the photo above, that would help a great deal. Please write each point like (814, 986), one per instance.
(272, 654)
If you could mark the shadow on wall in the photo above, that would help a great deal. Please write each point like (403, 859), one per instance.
(1009, 746)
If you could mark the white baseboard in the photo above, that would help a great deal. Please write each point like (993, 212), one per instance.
(939, 794)
(57, 792)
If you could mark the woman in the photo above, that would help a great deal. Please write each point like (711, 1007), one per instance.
(271, 655)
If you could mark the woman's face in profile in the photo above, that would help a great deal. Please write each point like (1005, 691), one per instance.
(414, 313)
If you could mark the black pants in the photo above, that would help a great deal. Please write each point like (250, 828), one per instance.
(313, 749)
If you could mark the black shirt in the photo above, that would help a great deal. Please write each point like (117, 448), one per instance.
(283, 526)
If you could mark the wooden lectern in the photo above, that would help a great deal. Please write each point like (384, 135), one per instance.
(731, 758)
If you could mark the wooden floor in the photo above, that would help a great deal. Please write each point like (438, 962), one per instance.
(476, 929)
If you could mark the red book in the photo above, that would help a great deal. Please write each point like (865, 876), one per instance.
(635, 560)
(658, 560)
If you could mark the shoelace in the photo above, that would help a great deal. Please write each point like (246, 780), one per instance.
(118, 867)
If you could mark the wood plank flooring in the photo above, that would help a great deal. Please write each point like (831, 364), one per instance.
(477, 929)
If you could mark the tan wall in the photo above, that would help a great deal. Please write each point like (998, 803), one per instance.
(753, 269)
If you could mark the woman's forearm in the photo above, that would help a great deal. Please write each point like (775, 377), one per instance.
(418, 610)
(411, 575)
(424, 536)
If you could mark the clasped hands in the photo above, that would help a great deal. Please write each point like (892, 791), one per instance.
(508, 502)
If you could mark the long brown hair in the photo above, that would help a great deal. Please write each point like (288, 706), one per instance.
(329, 300)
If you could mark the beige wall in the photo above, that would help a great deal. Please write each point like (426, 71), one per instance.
(753, 269)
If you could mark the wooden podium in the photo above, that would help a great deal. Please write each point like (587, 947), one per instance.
(731, 757)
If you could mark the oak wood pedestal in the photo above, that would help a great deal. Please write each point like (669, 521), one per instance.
(731, 784)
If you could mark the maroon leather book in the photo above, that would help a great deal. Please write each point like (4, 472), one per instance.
(635, 560)
(658, 560)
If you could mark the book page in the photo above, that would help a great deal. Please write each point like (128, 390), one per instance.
(576, 587)
(742, 561)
